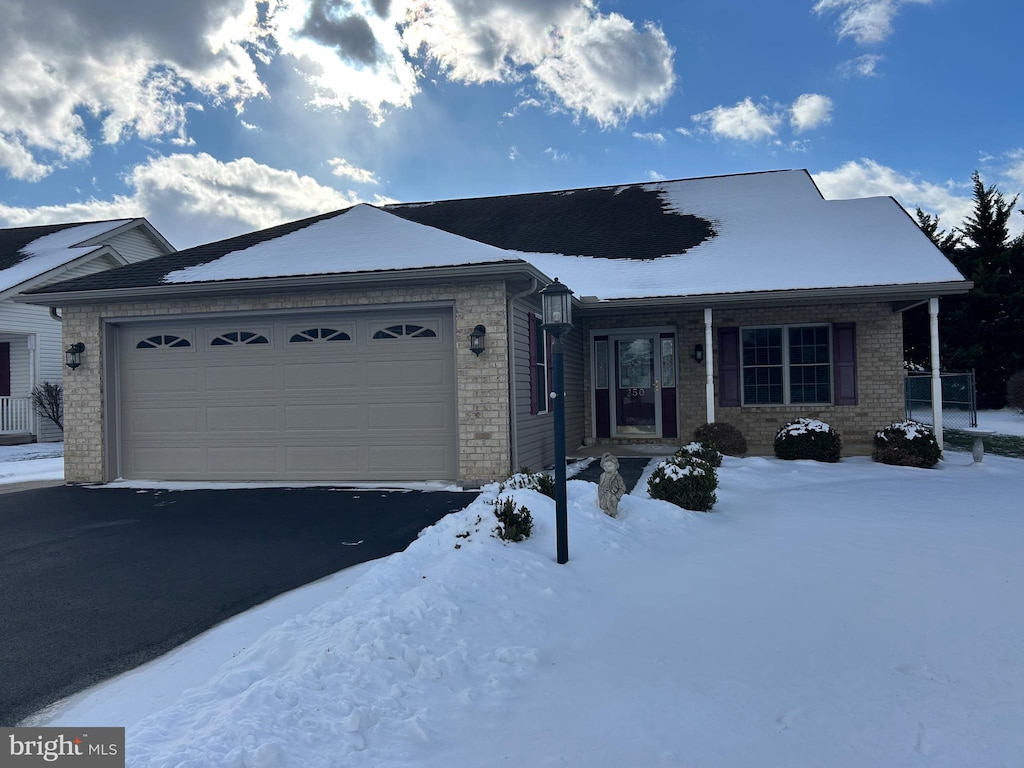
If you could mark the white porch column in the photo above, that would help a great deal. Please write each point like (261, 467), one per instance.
(709, 367)
(32, 363)
(933, 319)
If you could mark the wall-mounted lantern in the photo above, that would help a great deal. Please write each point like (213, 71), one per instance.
(73, 355)
(477, 340)
(698, 353)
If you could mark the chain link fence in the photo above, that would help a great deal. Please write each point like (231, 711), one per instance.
(959, 400)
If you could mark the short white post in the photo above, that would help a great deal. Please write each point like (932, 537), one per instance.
(709, 367)
(933, 319)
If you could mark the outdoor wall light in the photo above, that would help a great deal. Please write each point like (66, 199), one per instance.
(698, 353)
(477, 340)
(73, 355)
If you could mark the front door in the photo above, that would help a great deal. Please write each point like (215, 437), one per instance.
(637, 380)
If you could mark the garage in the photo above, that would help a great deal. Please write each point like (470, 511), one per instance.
(358, 396)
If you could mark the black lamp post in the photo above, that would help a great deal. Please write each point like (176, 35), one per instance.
(556, 312)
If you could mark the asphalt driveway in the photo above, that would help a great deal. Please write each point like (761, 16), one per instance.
(95, 581)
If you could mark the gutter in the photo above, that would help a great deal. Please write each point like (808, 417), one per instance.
(55, 316)
(513, 420)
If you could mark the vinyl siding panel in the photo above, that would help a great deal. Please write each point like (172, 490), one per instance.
(134, 245)
(17, 323)
(535, 433)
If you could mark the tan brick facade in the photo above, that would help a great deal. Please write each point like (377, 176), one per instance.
(483, 407)
(879, 370)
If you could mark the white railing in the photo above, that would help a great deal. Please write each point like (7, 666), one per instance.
(15, 414)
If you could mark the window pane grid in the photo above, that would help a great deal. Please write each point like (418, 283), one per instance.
(797, 371)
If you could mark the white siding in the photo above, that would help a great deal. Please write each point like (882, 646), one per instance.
(134, 245)
(90, 267)
(17, 323)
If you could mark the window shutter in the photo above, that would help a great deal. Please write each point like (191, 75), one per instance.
(844, 362)
(531, 324)
(729, 367)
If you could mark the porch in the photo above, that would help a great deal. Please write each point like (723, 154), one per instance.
(17, 420)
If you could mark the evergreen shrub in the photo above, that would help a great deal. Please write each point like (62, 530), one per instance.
(808, 439)
(1015, 391)
(513, 524)
(723, 437)
(907, 444)
(526, 478)
(686, 481)
(704, 451)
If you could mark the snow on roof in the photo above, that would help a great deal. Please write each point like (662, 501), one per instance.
(363, 239)
(762, 232)
(54, 250)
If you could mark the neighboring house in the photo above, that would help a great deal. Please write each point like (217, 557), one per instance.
(337, 348)
(30, 337)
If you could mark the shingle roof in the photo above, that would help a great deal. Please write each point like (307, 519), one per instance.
(13, 240)
(152, 271)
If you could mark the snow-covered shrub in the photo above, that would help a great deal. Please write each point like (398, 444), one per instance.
(907, 444)
(687, 482)
(513, 524)
(526, 478)
(1015, 391)
(704, 451)
(724, 437)
(808, 439)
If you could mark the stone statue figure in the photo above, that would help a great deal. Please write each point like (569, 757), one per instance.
(611, 487)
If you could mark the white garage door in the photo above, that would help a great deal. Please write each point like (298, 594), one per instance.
(367, 396)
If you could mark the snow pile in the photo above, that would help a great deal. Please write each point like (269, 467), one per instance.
(912, 430)
(844, 615)
(803, 425)
(29, 463)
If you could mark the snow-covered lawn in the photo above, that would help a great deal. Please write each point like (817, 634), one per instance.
(1006, 422)
(823, 615)
(26, 463)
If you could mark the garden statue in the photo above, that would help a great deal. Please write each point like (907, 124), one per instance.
(611, 487)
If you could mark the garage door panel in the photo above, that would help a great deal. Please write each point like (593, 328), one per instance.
(161, 381)
(241, 378)
(241, 459)
(241, 418)
(166, 461)
(398, 460)
(314, 376)
(408, 416)
(336, 461)
(321, 418)
(141, 421)
(408, 373)
(324, 408)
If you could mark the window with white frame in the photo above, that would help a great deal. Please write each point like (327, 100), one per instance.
(786, 364)
(541, 366)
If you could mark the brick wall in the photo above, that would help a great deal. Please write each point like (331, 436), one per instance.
(483, 435)
(879, 370)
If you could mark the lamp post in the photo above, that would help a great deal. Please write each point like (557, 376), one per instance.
(556, 312)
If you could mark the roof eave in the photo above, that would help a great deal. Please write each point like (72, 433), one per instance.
(788, 297)
(457, 273)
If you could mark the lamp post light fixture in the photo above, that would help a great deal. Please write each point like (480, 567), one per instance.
(477, 340)
(556, 314)
(73, 355)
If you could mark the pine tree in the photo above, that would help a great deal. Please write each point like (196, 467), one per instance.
(984, 330)
(916, 328)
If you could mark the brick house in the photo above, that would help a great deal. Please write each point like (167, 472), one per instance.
(337, 348)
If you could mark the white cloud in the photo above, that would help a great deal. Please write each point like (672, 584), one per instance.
(866, 21)
(593, 64)
(867, 178)
(1014, 171)
(862, 66)
(654, 138)
(193, 199)
(556, 156)
(513, 152)
(745, 121)
(19, 161)
(684, 132)
(810, 110)
(342, 167)
(655, 176)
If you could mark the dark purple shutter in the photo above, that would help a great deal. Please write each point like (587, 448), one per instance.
(531, 324)
(5, 368)
(844, 362)
(729, 367)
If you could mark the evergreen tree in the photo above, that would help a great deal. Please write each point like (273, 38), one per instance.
(916, 328)
(984, 330)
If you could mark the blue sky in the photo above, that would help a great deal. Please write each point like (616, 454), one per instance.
(215, 117)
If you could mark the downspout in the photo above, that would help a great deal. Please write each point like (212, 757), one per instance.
(55, 316)
(513, 421)
(709, 368)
